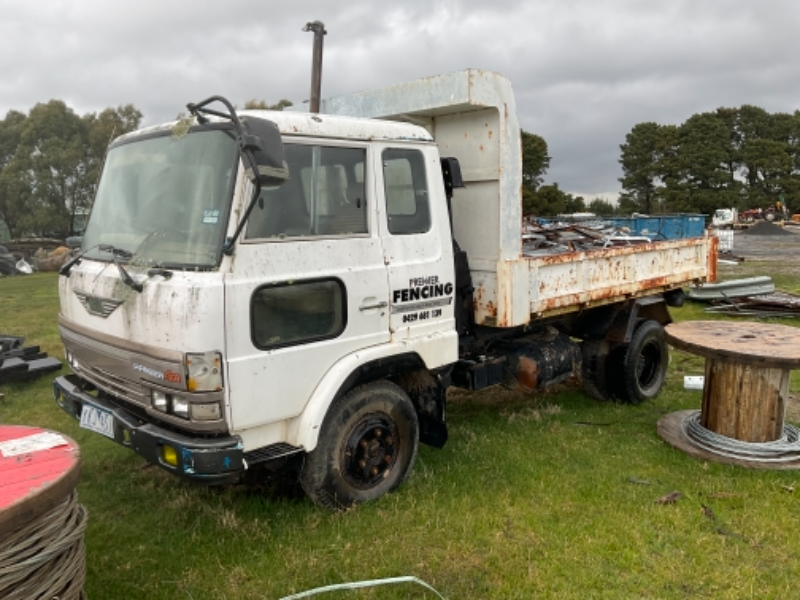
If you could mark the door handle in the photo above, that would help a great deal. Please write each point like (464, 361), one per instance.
(372, 306)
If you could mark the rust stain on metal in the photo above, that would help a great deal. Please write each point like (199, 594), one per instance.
(558, 259)
(615, 251)
(477, 299)
(713, 249)
(528, 373)
(655, 282)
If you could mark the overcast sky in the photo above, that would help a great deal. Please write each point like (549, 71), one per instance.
(584, 71)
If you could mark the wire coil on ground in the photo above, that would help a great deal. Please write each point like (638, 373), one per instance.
(784, 449)
(46, 558)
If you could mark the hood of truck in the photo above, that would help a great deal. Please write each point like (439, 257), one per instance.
(183, 313)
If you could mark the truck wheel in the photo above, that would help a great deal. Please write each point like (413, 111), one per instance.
(594, 368)
(366, 447)
(642, 364)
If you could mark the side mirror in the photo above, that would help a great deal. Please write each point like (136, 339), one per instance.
(451, 171)
(263, 139)
(261, 149)
(259, 141)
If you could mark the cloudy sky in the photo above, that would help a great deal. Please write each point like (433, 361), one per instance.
(584, 71)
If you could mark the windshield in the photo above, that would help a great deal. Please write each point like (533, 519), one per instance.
(165, 199)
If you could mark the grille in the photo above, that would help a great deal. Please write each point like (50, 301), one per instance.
(116, 386)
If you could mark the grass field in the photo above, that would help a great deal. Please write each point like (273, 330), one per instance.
(534, 496)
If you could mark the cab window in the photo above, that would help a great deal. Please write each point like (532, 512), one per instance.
(406, 189)
(291, 313)
(325, 196)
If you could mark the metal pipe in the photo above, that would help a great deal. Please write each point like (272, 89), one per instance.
(318, 27)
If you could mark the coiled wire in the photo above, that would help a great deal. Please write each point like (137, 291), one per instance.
(46, 559)
(784, 449)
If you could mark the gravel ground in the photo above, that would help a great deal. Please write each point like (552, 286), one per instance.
(766, 241)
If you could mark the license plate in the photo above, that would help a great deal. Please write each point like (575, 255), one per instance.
(97, 420)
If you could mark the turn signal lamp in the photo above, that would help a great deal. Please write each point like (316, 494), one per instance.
(204, 371)
(169, 455)
(206, 412)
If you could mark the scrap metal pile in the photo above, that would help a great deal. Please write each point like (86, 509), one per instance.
(776, 304)
(750, 297)
(19, 362)
(540, 239)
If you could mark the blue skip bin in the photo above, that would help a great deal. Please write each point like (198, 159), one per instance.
(663, 227)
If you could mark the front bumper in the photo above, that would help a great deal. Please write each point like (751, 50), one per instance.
(210, 461)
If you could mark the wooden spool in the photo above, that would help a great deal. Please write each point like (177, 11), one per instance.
(744, 402)
(746, 375)
(39, 470)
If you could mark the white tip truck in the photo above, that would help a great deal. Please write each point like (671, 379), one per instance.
(287, 289)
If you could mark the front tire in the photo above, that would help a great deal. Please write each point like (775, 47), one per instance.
(366, 448)
(642, 364)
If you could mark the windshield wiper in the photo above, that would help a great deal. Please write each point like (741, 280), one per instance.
(67, 267)
(116, 253)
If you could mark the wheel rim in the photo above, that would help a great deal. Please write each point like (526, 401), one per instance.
(649, 366)
(370, 451)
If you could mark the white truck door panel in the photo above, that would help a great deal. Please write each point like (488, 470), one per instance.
(311, 276)
(416, 241)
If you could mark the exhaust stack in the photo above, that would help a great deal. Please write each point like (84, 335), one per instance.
(318, 27)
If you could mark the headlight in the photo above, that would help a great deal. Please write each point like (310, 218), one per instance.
(73, 361)
(160, 400)
(180, 408)
(204, 372)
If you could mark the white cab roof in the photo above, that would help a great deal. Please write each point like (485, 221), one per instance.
(322, 125)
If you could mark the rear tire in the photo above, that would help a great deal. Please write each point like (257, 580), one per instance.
(642, 365)
(366, 448)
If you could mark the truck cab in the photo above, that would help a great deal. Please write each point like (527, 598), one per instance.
(206, 362)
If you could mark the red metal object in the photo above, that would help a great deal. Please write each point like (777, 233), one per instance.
(713, 254)
(38, 470)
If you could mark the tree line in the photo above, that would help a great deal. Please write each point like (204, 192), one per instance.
(51, 158)
(50, 163)
(740, 157)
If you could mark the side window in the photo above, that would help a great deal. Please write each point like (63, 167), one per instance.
(406, 188)
(325, 196)
(295, 313)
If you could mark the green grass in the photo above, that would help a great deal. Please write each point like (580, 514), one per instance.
(549, 495)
